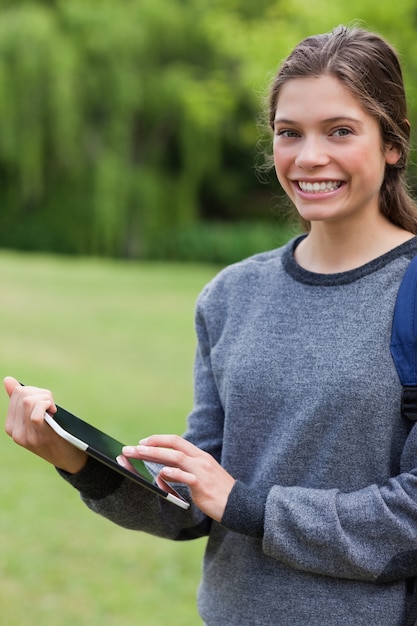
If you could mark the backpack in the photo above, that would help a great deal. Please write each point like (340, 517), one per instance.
(404, 353)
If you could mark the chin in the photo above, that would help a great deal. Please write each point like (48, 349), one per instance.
(317, 216)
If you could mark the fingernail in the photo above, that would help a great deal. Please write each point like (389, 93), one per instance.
(144, 441)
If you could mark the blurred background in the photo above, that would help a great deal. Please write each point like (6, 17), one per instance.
(130, 134)
(132, 129)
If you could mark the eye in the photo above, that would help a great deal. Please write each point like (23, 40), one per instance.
(287, 133)
(341, 132)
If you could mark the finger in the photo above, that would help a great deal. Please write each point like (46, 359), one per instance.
(37, 409)
(147, 453)
(124, 462)
(177, 475)
(27, 407)
(30, 430)
(18, 392)
(188, 466)
(163, 456)
(14, 410)
(174, 442)
(10, 384)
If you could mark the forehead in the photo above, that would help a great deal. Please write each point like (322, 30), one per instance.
(324, 95)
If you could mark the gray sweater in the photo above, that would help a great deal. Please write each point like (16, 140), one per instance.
(297, 396)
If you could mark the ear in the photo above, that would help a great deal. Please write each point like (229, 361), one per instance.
(392, 154)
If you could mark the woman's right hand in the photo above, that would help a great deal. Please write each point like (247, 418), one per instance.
(26, 425)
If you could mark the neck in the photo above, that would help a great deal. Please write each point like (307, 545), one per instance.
(329, 248)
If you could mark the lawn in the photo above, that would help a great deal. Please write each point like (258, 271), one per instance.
(115, 342)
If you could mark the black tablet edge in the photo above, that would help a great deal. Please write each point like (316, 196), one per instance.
(175, 498)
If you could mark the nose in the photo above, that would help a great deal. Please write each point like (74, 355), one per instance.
(311, 153)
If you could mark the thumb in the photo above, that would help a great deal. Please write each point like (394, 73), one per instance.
(10, 385)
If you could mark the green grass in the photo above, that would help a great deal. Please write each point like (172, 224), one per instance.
(115, 342)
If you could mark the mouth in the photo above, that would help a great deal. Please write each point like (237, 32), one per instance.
(319, 187)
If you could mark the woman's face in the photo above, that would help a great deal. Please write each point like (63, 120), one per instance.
(328, 151)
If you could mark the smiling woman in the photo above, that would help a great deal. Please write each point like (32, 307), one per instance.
(369, 70)
(297, 462)
(323, 138)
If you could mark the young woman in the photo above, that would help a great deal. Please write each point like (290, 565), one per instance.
(300, 468)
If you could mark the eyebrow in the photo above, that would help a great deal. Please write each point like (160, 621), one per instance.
(328, 120)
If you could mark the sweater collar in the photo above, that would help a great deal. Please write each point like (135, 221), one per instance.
(406, 250)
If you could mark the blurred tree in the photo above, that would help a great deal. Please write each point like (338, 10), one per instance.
(111, 116)
(121, 123)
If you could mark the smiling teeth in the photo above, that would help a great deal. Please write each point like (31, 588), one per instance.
(330, 185)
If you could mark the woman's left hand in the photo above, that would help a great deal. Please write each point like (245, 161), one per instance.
(209, 483)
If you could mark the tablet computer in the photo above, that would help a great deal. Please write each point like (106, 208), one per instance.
(105, 449)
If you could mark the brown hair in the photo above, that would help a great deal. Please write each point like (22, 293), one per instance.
(369, 68)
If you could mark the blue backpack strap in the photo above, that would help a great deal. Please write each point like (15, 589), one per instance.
(404, 339)
(404, 353)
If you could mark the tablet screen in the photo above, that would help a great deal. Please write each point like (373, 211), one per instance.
(106, 449)
(96, 439)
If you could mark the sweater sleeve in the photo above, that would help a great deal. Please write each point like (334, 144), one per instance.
(369, 534)
(134, 507)
(245, 510)
(128, 504)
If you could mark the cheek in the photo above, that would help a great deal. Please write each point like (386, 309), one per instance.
(280, 159)
(282, 162)
(375, 169)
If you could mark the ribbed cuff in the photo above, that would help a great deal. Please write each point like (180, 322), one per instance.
(245, 510)
(95, 480)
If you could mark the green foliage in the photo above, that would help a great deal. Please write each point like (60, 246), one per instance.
(125, 124)
(222, 242)
(120, 104)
